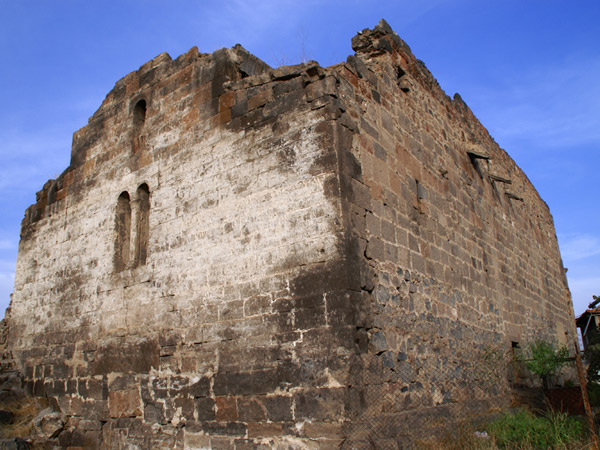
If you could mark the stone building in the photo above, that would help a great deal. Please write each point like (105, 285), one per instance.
(302, 257)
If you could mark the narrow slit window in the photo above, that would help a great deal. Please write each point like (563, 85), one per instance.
(123, 232)
(139, 114)
(139, 118)
(142, 226)
(516, 363)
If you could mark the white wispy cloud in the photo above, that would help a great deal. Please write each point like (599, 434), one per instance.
(591, 284)
(284, 31)
(31, 158)
(577, 247)
(6, 244)
(554, 106)
(7, 266)
(254, 24)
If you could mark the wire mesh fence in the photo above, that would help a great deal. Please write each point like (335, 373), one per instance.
(433, 402)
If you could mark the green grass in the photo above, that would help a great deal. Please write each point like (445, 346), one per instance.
(523, 429)
(519, 430)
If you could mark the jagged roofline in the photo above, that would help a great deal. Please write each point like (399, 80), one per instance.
(368, 44)
(244, 62)
(380, 39)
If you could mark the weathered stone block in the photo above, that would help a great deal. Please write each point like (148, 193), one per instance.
(200, 388)
(226, 409)
(196, 440)
(264, 430)
(279, 408)
(319, 404)
(154, 412)
(225, 428)
(252, 409)
(205, 409)
(322, 430)
(124, 403)
(326, 86)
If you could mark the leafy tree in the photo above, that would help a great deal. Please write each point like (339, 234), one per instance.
(546, 359)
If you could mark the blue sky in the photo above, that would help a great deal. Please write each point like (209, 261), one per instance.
(529, 70)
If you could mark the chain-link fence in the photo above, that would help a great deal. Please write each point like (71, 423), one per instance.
(435, 402)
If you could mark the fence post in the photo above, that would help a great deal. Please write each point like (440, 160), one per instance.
(584, 395)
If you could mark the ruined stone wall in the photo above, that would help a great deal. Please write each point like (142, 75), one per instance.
(458, 253)
(230, 330)
(241, 256)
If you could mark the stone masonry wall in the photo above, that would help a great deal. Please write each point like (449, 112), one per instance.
(234, 330)
(246, 257)
(458, 254)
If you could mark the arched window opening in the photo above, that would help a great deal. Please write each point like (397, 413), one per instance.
(139, 114)
(123, 231)
(142, 225)
(139, 117)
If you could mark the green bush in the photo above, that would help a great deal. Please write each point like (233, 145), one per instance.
(522, 429)
(545, 360)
